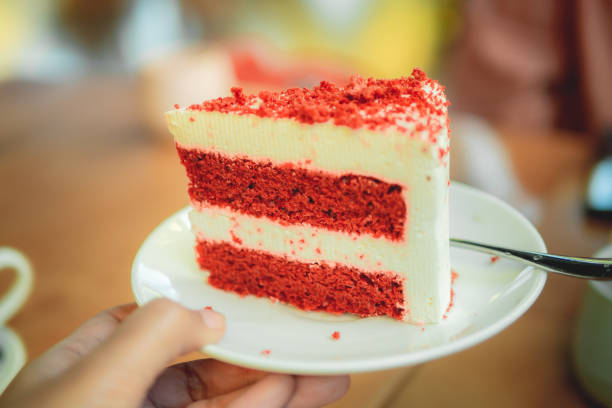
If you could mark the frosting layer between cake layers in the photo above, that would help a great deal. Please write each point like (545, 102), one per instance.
(411, 160)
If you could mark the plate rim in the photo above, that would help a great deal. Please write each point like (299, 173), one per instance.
(271, 364)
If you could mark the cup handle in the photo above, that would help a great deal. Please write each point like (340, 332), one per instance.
(19, 291)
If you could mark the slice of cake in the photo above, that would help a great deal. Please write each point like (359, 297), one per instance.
(333, 199)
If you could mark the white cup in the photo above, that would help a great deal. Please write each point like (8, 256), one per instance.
(13, 353)
(592, 343)
(12, 300)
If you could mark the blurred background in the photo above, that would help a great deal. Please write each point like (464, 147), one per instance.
(87, 167)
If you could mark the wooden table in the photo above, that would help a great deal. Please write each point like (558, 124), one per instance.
(82, 183)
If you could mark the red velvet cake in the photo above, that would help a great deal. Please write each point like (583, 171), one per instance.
(329, 199)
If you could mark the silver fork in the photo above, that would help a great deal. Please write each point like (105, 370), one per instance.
(589, 268)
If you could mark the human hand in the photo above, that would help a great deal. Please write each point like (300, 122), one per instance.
(119, 358)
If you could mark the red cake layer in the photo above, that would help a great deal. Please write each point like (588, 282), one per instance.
(318, 287)
(349, 203)
(361, 103)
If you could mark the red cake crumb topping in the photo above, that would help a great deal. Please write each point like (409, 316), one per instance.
(265, 352)
(452, 301)
(208, 308)
(371, 103)
(235, 239)
(307, 286)
(336, 335)
(350, 203)
(494, 259)
(176, 106)
(454, 276)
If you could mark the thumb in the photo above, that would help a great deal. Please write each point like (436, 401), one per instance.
(145, 343)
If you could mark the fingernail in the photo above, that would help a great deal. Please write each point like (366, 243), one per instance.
(212, 319)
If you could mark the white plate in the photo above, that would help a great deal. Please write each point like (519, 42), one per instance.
(489, 297)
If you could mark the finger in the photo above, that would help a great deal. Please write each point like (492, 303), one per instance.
(317, 391)
(184, 383)
(158, 333)
(127, 363)
(92, 333)
(272, 391)
(67, 352)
